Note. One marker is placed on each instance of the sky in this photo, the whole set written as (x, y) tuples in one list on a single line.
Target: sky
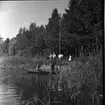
[(17, 14)]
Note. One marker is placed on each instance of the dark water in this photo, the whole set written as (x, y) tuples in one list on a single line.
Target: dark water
[(19, 88)]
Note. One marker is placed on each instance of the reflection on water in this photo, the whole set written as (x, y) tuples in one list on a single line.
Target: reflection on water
[(33, 85), (8, 95), (16, 88)]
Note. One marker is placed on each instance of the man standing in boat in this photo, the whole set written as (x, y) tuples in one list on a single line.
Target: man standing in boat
[(53, 61), (60, 56)]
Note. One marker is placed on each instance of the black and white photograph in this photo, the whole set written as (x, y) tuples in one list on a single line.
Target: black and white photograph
[(51, 52)]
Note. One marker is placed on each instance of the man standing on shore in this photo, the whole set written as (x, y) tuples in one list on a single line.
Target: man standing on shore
[(69, 58)]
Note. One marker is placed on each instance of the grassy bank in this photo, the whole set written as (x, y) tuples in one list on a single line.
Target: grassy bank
[(82, 81), (21, 62)]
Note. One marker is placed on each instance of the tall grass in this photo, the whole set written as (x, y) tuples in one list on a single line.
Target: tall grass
[(82, 81), (25, 62)]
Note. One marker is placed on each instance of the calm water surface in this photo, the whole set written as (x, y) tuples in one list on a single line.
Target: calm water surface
[(16, 87)]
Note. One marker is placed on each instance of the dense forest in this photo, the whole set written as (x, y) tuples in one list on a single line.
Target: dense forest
[(80, 29)]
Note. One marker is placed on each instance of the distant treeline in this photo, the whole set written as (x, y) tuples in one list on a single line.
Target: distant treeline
[(80, 28)]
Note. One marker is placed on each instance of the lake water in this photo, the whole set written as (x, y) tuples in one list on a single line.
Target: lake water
[(18, 88)]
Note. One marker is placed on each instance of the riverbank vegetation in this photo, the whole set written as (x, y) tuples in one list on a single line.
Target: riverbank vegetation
[(22, 62), (83, 84), (78, 83)]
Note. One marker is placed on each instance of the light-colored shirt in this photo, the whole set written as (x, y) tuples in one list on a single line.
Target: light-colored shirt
[(70, 58), (60, 55), (54, 55), (50, 56)]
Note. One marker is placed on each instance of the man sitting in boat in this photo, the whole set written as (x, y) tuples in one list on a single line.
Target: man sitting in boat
[(39, 68)]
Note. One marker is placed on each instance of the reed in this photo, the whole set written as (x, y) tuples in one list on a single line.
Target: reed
[(21, 62), (82, 81)]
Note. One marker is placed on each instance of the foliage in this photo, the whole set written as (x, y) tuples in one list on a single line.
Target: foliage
[(80, 29), (82, 82), (21, 62), (52, 31), (82, 18)]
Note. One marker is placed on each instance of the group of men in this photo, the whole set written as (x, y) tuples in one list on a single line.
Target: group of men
[(53, 56), (53, 59)]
